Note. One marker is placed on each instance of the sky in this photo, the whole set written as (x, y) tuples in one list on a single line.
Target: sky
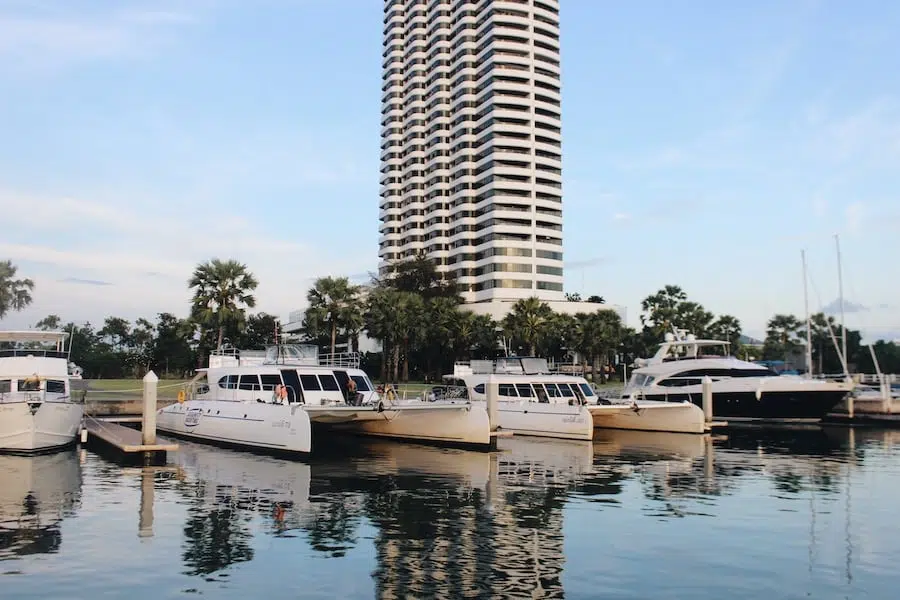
[(704, 145)]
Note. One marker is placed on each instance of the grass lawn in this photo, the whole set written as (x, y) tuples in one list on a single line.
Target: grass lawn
[(119, 388)]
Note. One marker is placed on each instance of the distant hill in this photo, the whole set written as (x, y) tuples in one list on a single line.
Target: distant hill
[(746, 340)]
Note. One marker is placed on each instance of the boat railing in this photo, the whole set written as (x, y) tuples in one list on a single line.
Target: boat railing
[(346, 360), (36, 352)]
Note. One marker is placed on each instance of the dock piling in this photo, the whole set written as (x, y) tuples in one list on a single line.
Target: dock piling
[(707, 399), (491, 392), (148, 420)]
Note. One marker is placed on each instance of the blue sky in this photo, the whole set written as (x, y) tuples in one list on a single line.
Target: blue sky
[(704, 146)]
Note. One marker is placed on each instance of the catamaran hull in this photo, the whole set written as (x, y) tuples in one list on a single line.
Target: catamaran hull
[(272, 427), (27, 428), (461, 424), (545, 419), (682, 417)]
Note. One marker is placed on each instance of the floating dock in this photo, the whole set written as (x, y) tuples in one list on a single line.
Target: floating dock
[(125, 440)]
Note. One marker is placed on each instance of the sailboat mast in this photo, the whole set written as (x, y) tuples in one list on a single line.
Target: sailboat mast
[(837, 243), (806, 309)]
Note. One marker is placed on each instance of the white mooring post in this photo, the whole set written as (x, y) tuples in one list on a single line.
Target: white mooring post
[(491, 392), (148, 420), (707, 399)]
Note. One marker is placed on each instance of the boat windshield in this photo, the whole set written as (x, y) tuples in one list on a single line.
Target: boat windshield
[(292, 354)]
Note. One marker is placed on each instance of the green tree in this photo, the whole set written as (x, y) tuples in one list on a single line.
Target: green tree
[(334, 305), (49, 323), (15, 294), (419, 275), (221, 291), (526, 323), (600, 333), (727, 328), (171, 349), (781, 337)]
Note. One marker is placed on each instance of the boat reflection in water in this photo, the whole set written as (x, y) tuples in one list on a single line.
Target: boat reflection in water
[(36, 494), (453, 522)]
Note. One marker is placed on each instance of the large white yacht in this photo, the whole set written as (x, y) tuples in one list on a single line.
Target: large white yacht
[(741, 390), (533, 400), (275, 401), (37, 409)]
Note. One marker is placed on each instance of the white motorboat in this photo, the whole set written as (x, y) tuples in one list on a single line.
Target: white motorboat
[(37, 409), (741, 390), (275, 402), (531, 400)]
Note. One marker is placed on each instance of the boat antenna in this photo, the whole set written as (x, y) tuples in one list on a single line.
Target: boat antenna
[(808, 324)]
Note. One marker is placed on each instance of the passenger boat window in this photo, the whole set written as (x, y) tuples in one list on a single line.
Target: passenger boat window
[(269, 381), (540, 392), (552, 390), (310, 383), (362, 383), (56, 387), (479, 389), (229, 382), (29, 385), (5, 386), (524, 390), (249, 382), (565, 390), (677, 381), (586, 390), (507, 389), (329, 383)]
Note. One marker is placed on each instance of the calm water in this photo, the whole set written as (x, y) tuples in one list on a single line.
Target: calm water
[(802, 514)]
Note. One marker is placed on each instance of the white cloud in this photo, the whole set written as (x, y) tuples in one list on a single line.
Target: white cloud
[(620, 216), (147, 258)]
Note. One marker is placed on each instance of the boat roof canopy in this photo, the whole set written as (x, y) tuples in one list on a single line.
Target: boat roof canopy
[(34, 335)]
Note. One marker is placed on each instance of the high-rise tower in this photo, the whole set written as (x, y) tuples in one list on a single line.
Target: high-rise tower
[(471, 147)]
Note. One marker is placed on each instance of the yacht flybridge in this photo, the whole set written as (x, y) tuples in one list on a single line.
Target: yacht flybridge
[(533, 400), (275, 401), (741, 390), (37, 410)]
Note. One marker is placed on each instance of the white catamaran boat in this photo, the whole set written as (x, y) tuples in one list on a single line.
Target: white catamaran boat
[(275, 402), (532, 400), (741, 390), (37, 410)]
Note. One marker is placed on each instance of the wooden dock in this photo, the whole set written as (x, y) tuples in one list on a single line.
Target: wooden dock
[(124, 439)]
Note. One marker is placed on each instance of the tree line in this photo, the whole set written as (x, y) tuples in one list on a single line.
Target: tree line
[(417, 315)]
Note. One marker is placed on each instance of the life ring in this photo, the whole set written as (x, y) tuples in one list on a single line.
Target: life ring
[(181, 396)]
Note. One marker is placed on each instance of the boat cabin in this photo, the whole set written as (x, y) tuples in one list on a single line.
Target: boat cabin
[(287, 374), (34, 366), (520, 378)]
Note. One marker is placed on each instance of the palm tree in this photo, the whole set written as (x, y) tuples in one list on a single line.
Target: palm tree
[(526, 322), (600, 333), (15, 294), (781, 331), (335, 303), (221, 291)]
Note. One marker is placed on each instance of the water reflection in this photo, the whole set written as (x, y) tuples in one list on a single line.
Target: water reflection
[(539, 518), (36, 494)]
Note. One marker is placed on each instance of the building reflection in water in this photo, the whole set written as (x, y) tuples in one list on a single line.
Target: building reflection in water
[(452, 522), (36, 494)]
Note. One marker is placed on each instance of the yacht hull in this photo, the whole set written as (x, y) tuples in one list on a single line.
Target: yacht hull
[(795, 406), (649, 415), (545, 419), (38, 427), (272, 427)]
